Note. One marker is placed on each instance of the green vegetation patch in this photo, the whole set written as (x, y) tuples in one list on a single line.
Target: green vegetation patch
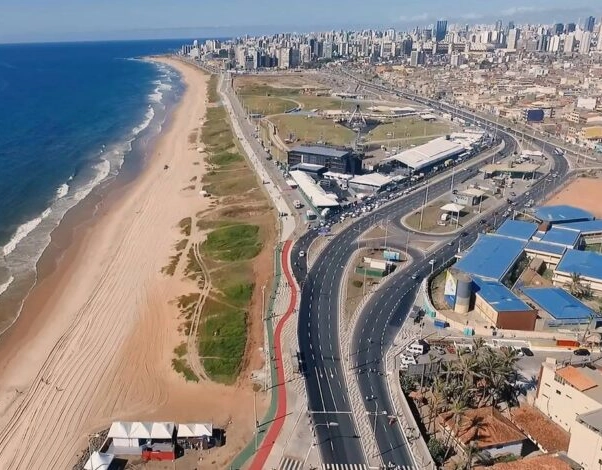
[(267, 105), (222, 340), (267, 90), (238, 294), (225, 158), (170, 269), (237, 242), (182, 367), (408, 128), (212, 95), (230, 183), (185, 226), (313, 129), (182, 244), (181, 350)]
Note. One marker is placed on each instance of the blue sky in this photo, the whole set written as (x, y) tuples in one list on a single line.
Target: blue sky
[(48, 20)]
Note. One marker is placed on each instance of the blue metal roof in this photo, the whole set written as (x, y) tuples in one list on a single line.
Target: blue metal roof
[(320, 150), (562, 214), (517, 229), (545, 248), (561, 236), (587, 227), (584, 263), (491, 256), (558, 303), (499, 297)]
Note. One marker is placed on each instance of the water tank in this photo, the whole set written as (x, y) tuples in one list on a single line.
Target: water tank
[(463, 293)]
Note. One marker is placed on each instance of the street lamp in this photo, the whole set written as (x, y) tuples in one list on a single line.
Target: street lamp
[(331, 424), (432, 263)]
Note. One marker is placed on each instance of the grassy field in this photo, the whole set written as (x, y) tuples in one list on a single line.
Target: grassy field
[(432, 215), (230, 246), (222, 340), (313, 129), (325, 102), (407, 127), (267, 105), (236, 242)]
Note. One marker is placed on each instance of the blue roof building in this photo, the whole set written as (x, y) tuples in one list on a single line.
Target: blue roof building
[(562, 214), (545, 248), (560, 305), (584, 263), (491, 257), (589, 227), (558, 235), (499, 297), (517, 229)]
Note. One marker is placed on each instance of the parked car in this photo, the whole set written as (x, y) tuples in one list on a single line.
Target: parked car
[(526, 351), (581, 352), (439, 350), (301, 254)]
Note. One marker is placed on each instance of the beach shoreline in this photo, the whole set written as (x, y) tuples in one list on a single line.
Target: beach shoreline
[(96, 334)]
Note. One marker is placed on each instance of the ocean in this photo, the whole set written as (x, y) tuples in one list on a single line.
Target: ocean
[(71, 114)]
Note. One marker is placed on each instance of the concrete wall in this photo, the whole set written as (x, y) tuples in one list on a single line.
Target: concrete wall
[(585, 446), (513, 449), (562, 403), (550, 259)]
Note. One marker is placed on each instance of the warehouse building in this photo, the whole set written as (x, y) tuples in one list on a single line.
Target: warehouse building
[(312, 191), (425, 157), (557, 307), (334, 159), (562, 214), (501, 307), (370, 183), (585, 264)]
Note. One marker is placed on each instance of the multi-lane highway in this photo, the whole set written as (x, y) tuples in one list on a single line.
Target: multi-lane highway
[(377, 326), (319, 321)]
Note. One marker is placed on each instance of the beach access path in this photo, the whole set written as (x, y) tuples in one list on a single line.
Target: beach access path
[(96, 336)]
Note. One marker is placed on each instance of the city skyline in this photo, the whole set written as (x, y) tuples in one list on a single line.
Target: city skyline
[(66, 20)]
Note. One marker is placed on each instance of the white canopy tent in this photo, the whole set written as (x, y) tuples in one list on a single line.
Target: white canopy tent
[(120, 433), (162, 430), (195, 430), (140, 430), (98, 461)]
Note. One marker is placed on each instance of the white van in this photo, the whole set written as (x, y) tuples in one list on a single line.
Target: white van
[(416, 348), (407, 360)]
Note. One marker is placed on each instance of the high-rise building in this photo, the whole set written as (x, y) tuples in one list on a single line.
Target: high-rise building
[(569, 43), (513, 37), (585, 43), (554, 44), (569, 28), (588, 24), (440, 30), (498, 25), (558, 28), (416, 58)]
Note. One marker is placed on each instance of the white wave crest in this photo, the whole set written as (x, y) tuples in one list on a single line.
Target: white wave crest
[(22, 231), (62, 190), (148, 117), (156, 96), (4, 286), (103, 169)]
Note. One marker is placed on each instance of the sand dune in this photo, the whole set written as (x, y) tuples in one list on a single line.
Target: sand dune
[(100, 340)]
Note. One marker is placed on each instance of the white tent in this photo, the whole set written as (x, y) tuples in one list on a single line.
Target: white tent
[(120, 433), (195, 430), (98, 461), (162, 430), (140, 430)]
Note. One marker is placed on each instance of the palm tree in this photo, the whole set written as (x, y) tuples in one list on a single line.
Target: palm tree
[(457, 409), (576, 286)]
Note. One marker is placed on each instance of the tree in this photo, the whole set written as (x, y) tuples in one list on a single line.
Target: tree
[(437, 450), (577, 288), (457, 409)]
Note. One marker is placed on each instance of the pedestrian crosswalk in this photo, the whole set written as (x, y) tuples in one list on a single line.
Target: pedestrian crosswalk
[(358, 466), (288, 463)]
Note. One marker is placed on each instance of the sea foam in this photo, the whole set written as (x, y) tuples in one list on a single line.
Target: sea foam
[(23, 230), (5, 286), (62, 190)]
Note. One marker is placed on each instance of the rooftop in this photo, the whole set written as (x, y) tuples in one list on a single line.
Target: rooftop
[(579, 377), (587, 227), (320, 150), (559, 303), (584, 263), (545, 432), (428, 154), (371, 179), (314, 192), (560, 236), (499, 297), (562, 214), (491, 256), (452, 207), (542, 247), (493, 429), (539, 462), (517, 229), (593, 419), (505, 168)]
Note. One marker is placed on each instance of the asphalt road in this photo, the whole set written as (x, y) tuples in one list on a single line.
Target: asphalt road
[(318, 325)]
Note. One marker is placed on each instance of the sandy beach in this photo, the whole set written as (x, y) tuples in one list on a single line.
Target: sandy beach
[(95, 339)]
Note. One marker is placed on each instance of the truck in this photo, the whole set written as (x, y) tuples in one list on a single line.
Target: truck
[(310, 215), (297, 204), (390, 255)]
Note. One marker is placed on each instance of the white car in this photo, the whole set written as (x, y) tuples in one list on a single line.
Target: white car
[(406, 359), (301, 254)]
